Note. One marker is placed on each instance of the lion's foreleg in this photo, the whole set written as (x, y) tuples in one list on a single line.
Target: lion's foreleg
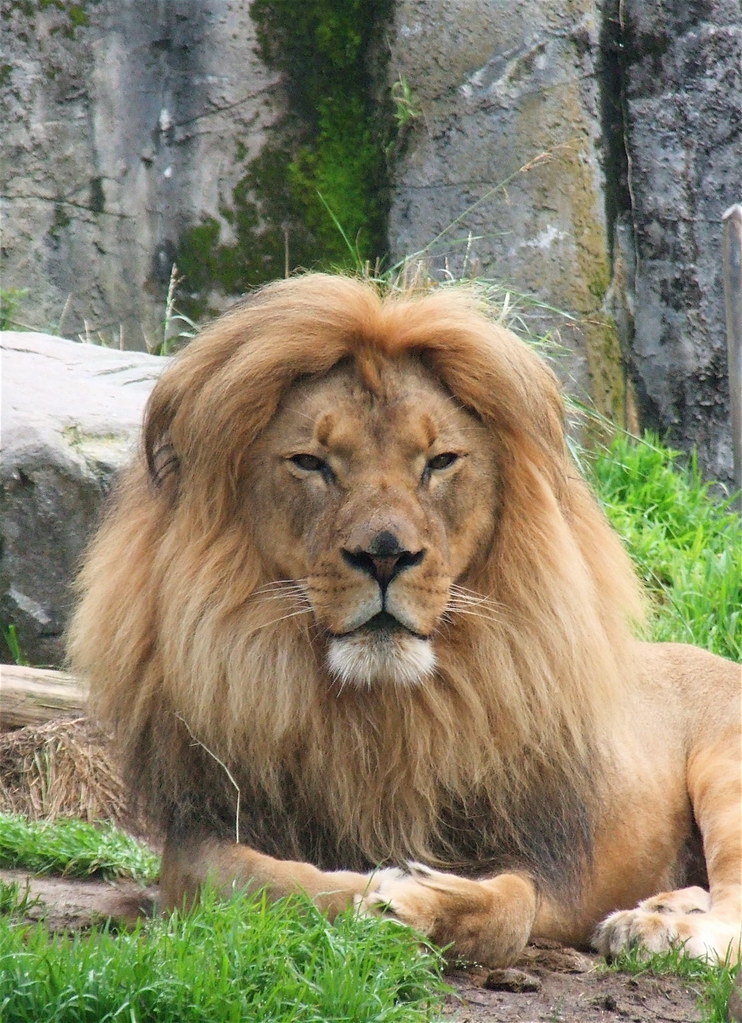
[(486, 921), (188, 865), (715, 789), (703, 924)]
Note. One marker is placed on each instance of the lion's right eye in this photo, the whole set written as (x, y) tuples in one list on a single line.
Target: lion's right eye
[(310, 463)]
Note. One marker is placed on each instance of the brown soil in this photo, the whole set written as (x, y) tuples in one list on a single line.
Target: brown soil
[(549, 985), (565, 986), (64, 904)]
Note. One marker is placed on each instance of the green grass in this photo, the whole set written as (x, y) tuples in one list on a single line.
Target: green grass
[(73, 848), (9, 636), (243, 960), (11, 299), (14, 900), (717, 990), (685, 542)]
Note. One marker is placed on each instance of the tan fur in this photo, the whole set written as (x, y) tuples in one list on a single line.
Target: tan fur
[(498, 721)]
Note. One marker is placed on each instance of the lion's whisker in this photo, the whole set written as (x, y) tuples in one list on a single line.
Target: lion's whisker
[(467, 602), (461, 600), (264, 599), (281, 584), (294, 595), (459, 593), (468, 599), (464, 591), (489, 614), (483, 611), (282, 618), (499, 620)]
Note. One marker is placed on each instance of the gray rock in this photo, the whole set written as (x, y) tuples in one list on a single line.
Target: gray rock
[(70, 419), (639, 108)]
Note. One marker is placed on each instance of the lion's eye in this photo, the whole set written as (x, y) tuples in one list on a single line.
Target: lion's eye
[(310, 463), (442, 461)]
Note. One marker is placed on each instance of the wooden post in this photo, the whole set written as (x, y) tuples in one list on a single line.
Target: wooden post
[(732, 264)]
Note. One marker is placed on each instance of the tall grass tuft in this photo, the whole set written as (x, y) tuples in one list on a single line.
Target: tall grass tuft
[(246, 959), (685, 541)]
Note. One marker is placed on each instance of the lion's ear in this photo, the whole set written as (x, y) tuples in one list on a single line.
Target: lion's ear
[(163, 462)]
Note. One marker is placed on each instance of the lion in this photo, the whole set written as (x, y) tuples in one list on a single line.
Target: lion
[(361, 630)]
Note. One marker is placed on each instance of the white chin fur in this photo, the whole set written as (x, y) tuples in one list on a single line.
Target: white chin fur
[(363, 660)]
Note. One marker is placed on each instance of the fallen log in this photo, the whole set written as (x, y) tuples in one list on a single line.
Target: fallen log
[(31, 696)]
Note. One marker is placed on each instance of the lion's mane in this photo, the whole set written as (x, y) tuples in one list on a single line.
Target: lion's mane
[(495, 759)]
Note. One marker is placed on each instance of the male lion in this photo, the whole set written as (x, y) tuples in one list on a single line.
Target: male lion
[(360, 629)]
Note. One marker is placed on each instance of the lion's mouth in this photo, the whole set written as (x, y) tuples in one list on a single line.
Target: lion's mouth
[(382, 650), (380, 625)]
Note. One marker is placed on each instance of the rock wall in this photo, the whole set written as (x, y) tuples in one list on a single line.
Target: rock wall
[(638, 109), (681, 78), (124, 125), (581, 151), (502, 172)]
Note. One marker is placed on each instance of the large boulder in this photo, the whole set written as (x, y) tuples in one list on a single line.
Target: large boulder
[(70, 419)]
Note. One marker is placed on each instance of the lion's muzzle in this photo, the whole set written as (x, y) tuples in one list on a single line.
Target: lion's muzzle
[(384, 642)]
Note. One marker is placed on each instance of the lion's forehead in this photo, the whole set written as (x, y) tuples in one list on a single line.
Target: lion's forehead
[(404, 407)]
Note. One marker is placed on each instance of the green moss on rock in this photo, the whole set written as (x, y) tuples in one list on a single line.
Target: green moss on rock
[(316, 196), (75, 14)]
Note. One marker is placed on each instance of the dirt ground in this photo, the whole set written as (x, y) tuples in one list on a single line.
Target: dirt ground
[(549, 985), (565, 986)]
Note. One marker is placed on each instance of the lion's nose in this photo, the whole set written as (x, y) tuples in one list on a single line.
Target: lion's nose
[(384, 558)]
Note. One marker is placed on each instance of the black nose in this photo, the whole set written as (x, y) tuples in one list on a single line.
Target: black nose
[(384, 559)]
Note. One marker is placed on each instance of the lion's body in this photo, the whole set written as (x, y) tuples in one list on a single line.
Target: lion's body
[(358, 591)]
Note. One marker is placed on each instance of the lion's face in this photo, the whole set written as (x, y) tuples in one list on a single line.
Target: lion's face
[(372, 494)]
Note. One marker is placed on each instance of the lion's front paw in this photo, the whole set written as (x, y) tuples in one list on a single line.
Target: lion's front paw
[(672, 920), (486, 921), (408, 897)]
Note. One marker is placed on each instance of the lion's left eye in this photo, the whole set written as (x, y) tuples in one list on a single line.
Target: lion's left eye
[(312, 463), (442, 461)]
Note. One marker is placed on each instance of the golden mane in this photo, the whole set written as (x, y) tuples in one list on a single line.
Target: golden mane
[(194, 676)]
